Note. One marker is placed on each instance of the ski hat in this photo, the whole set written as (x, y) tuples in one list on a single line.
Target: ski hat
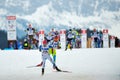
[(44, 42)]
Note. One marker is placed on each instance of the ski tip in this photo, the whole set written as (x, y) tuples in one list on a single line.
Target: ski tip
[(30, 66), (64, 71), (67, 71)]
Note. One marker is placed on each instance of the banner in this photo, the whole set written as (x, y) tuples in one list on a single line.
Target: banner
[(41, 36), (11, 27), (112, 42), (84, 39), (105, 38), (63, 38)]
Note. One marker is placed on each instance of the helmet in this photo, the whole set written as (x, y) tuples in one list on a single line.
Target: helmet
[(44, 42)]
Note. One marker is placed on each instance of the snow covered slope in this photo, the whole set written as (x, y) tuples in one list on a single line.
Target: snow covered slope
[(85, 64)]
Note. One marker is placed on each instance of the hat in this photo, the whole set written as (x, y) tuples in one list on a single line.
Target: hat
[(44, 42)]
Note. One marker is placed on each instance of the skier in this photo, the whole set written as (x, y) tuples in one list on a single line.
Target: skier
[(45, 55), (52, 33), (30, 31), (95, 35), (75, 33), (70, 37), (51, 51), (100, 40), (56, 41), (48, 38)]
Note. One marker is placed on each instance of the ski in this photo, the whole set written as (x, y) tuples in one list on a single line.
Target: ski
[(38, 65), (32, 66), (54, 71), (64, 71), (67, 71)]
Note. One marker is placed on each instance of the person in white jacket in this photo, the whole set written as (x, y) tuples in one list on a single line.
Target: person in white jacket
[(45, 55)]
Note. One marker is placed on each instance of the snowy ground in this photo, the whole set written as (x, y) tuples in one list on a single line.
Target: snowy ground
[(85, 64)]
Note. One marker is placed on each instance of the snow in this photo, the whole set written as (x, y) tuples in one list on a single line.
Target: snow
[(43, 16), (2, 11), (85, 64), (71, 13)]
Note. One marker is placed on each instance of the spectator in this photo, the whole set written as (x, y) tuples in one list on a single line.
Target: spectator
[(78, 41), (11, 45), (19, 45)]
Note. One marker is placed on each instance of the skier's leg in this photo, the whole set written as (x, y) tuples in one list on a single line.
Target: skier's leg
[(54, 65), (43, 63), (43, 67), (66, 45), (71, 45), (54, 58), (50, 59), (42, 71)]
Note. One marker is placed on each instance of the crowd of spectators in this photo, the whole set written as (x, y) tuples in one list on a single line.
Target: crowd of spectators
[(73, 37)]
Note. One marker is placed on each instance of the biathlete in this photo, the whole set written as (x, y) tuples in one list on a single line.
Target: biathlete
[(45, 55), (51, 51), (69, 37)]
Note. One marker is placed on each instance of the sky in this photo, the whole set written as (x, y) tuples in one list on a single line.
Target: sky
[(45, 14)]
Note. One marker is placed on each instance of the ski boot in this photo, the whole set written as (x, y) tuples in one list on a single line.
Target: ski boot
[(65, 48), (57, 69), (42, 71)]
